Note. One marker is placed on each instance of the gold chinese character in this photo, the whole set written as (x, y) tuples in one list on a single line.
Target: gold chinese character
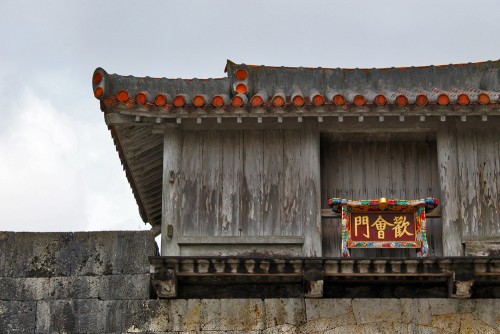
[(380, 224), (361, 220), (400, 225)]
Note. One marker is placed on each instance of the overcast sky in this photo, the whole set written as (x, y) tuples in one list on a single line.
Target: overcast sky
[(59, 170)]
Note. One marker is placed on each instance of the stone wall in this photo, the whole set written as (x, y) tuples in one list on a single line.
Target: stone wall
[(98, 282)]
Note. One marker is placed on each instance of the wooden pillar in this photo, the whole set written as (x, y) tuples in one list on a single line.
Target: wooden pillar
[(447, 151), (170, 224), (310, 188)]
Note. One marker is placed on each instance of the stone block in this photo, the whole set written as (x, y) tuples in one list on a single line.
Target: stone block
[(123, 316), (350, 329), (232, 314), (6, 253), (327, 308), (320, 325), (424, 329), (27, 288), (68, 316), (488, 310), (124, 287), (112, 252), (447, 322), (472, 325), (376, 310), (159, 314), (42, 254), (17, 316), (112, 316), (74, 287), (386, 328), (416, 311), (282, 329), (441, 306), (281, 311), (185, 314)]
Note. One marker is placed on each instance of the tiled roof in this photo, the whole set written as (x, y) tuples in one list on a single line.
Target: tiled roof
[(256, 87), (278, 92)]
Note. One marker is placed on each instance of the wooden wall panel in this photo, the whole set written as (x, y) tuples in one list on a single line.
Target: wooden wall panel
[(189, 182), (291, 221), (251, 200), (310, 188), (479, 163), (229, 222), (369, 169), (272, 182), (209, 193), (250, 183)]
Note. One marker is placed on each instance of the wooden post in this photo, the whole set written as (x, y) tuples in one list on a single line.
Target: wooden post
[(170, 224), (447, 151), (311, 189)]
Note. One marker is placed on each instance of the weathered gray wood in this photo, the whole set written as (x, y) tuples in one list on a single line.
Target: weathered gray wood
[(310, 185), (359, 170), (190, 180), (481, 248), (447, 154), (488, 158), (251, 206), (272, 181), (479, 159), (230, 184), (170, 194), (384, 169), (371, 176), (208, 203), (373, 167), (331, 237), (468, 183), (291, 221), (434, 221), (398, 181), (235, 240)]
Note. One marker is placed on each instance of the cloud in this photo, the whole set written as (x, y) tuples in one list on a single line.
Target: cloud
[(51, 173)]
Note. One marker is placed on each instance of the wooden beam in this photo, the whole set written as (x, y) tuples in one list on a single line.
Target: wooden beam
[(170, 225), (447, 150)]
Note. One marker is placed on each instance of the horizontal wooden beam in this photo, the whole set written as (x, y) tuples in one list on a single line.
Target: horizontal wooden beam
[(230, 240)]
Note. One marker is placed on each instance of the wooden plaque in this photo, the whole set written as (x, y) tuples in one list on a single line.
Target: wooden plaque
[(384, 223)]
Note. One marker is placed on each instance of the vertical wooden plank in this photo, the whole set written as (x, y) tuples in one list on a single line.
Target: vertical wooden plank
[(371, 179), (435, 224), (208, 213), (488, 199), (468, 181), (328, 169), (398, 183), (448, 159), (496, 152), (331, 183), (360, 173), (410, 167), (424, 184), (462, 184), (172, 149), (189, 180), (251, 208), (332, 237), (272, 180), (230, 184), (384, 169), (342, 158), (291, 219), (310, 185)]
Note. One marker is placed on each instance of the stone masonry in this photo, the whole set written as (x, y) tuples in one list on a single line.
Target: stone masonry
[(98, 282)]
